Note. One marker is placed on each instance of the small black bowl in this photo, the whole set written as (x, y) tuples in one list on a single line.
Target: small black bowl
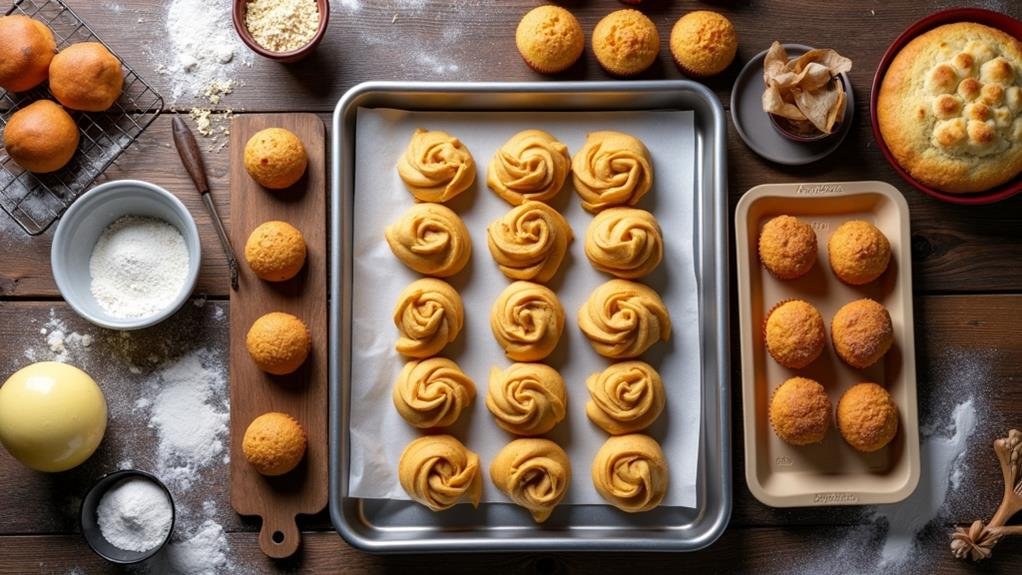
[(90, 520)]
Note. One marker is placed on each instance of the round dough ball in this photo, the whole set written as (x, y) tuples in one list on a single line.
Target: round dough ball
[(41, 137), (275, 251), (86, 77), (862, 332), (26, 49), (867, 417), (438, 471), (275, 158), (795, 334), (859, 252), (787, 247), (630, 472), (279, 343), (800, 411), (274, 443)]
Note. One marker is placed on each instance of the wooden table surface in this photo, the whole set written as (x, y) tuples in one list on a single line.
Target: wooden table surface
[(966, 272)]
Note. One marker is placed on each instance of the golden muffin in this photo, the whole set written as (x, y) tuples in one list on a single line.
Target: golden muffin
[(550, 39), (611, 169), (428, 315), (278, 343), (432, 392), (41, 137), (787, 247), (626, 397), (794, 333), (275, 251), (436, 166), (859, 252), (526, 398), (86, 77), (703, 43), (26, 49), (950, 107), (438, 471), (862, 332), (624, 242), (527, 320), (274, 443), (532, 165), (275, 158), (630, 472), (625, 42), (867, 417), (430, 239), (529, 242), (622, 319), (800, 411), (535, 473)]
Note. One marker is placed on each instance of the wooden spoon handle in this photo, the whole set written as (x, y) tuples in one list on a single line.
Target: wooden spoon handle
[(191, 157)]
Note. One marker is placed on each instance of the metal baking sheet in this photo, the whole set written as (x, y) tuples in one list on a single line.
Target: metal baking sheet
[(402, 526)]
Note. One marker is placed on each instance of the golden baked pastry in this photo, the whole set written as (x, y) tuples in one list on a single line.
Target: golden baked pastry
[(703, 43), (630, 472), (787, 247), (626, 397), (430, 239), (611, 169), (800, 411), (87, 77), (432, 392), (625, 242), (949, 107), (278, 343), (26, 49), (527, 320), (532, 165), (622, 319), (436, 166), (862, 332), (274, 443), (275, 251), (867, 417), (535, 473), (859, 252), (529, 242), (550, 39), (794, 333), (526, 398), (438, 471), (41, 137), (275, 158), (428, 315), (625, 42)]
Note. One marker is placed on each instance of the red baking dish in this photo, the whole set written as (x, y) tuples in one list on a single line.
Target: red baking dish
[(980, 16)]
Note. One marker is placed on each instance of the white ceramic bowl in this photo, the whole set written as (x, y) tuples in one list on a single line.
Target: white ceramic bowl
[(84, 222)]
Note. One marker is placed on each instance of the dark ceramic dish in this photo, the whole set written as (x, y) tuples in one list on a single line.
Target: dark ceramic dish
[(239, 12), (90, 524)]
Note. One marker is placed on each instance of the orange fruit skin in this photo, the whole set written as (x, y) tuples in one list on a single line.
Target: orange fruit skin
[(41, 137), (86, 77), (26, 49)]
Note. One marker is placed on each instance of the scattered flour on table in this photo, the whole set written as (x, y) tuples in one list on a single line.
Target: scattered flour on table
[(204, 47), (200, 551)]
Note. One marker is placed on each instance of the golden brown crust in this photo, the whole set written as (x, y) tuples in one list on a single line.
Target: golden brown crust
[(794, 333), (625, 42), (867, 417), (626, 397), (787, 247), (526, 398), (275, 158), (41, 137), (27, 47), (436, 166), (535, 473), (862, 332), (703, 43), (800, 411), (87, 77), (859, 253), (428, 315), (531, 165), (527, 320), (622, 319), (611, 169), (630, 472), (949, 107), (274, 443), (438, 471), (529, 242), (432, 393), (278, 343), (430, 239), (549, 38), (275, 251), (624, 242)]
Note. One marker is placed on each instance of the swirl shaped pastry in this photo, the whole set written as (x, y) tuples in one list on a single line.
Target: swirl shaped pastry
[(611, 169), (436, 166), (430, 239), (526, 398), (532, 165), (432, 392), (527, 320), (625, 398), (438, 471), (529, 242), (630, 472), (428, 315), (535, 473), (625, 242), (622, 319)]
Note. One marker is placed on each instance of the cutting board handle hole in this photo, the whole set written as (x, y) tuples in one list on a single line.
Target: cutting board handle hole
[(278, 537)]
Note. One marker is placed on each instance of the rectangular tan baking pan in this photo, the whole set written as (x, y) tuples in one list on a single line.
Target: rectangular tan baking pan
[(831, 472)]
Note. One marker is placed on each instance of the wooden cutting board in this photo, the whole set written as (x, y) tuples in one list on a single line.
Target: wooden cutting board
[(303, 394)]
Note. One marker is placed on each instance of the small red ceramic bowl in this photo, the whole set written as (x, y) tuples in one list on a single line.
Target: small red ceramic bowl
[(979, 16), (239, 12)]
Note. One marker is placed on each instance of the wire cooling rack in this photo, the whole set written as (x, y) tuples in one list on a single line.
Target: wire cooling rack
[(35, 201)]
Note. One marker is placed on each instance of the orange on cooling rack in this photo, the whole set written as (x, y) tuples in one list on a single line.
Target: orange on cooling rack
[(26, 48), (41, 137)]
